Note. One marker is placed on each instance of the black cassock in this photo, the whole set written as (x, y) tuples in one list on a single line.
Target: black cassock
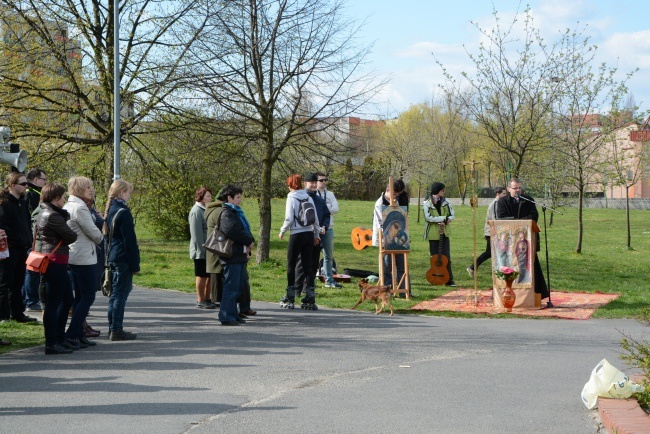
[(510, 208)]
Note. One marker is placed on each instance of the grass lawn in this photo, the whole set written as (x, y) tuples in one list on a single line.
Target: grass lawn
[(605, 265)]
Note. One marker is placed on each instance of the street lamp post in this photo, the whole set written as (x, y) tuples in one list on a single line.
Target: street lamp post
[(116, 89)]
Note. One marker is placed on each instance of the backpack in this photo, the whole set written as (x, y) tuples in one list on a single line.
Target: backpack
[(306, 213)]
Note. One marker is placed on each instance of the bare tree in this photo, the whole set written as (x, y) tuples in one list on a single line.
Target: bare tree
[(587, 101), (507, 94), (627, 163), (56, 75), (259, 64)]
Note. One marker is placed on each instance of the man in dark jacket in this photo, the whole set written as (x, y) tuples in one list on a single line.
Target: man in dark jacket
[(324, 216), (15, 221), (36, 179), (512, 206)]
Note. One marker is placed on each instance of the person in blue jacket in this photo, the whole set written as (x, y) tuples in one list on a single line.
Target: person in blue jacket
[(123, 256), (235, 226)]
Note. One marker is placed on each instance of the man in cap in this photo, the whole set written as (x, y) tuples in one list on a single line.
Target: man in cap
[(327, 239), (323, 214)]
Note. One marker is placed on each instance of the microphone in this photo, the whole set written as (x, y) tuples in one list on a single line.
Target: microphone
[(517, 196)]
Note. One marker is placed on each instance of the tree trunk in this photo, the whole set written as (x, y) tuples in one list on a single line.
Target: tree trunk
[(264, 235), (627, 217), (581, 189)]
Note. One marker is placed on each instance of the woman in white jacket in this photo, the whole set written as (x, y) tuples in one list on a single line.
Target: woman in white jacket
[(83, 258)]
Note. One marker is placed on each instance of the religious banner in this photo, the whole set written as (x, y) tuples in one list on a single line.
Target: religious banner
[(395, 233), (513, 244)]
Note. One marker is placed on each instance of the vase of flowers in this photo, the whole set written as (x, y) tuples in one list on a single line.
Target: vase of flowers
[(508, 275)]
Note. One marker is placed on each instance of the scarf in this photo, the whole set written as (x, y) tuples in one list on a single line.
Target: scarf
[(240, 214)]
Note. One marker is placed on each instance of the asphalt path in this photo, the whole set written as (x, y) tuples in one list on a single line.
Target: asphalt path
[(329, 371)]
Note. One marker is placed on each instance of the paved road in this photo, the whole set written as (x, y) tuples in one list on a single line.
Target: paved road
[(298, 371)]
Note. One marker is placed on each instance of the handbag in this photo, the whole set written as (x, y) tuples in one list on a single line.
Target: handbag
[(37, 261), (107, 275), (218, 243)]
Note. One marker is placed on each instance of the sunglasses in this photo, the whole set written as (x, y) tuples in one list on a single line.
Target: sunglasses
[(24, 184), (322, 180)]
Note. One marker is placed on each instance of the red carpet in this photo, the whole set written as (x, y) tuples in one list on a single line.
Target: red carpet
[(568, 305)]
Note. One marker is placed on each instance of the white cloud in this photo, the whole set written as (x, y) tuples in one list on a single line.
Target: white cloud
[(426, 49), (630, 48)]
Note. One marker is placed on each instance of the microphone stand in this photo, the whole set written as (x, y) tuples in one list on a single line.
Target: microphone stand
[(548, 274)]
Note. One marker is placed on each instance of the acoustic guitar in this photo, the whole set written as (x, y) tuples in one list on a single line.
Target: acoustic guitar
[(438, 273), (361, 238)]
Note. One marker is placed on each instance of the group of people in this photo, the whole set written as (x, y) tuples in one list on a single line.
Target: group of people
[(439, 214), (63, 224), (309, 217), (510, 204), (224, 280), (35, 214)]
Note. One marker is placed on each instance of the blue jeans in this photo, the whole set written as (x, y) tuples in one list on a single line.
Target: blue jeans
[(122, 285), (233, 283), (84, 284), (327, 241), (30, 289), (58, 299)]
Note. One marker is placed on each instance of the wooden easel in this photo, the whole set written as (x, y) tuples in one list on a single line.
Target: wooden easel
[(393, 253)]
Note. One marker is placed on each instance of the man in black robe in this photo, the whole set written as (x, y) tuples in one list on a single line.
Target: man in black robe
[(515, 206)]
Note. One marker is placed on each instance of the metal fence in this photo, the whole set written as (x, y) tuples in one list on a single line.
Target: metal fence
[(567, 202)]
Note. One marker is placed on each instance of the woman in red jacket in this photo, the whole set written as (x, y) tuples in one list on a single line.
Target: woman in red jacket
[(54, 236)]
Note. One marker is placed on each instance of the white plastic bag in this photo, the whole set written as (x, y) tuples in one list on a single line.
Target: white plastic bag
[(608, 382)]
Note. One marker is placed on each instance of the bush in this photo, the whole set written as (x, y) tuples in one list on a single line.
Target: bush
[(637, 355)]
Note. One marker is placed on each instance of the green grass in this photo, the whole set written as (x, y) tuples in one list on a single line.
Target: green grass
[(605, 265), (21, 335)]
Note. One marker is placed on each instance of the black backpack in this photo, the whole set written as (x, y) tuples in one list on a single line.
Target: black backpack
[(306, 213)]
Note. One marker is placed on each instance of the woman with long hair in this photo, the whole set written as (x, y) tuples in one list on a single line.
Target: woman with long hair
[(198, 235), (123, 256), (54, 236), (98, 219), (83, 258)]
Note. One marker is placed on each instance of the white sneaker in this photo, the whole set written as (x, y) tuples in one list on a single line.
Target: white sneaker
[(333, 285), (470, 272)]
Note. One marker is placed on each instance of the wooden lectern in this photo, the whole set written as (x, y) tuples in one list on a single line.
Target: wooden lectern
[(514, 245)]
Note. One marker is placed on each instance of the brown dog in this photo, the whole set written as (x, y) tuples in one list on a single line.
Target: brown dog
[(376, 292)]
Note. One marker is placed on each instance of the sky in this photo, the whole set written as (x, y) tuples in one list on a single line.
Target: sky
[(409, 33)]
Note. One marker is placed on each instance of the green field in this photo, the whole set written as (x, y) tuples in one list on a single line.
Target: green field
[(605, 265)]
